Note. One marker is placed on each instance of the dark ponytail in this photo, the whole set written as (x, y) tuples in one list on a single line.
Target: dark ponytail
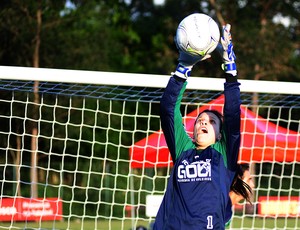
[(239, 186)]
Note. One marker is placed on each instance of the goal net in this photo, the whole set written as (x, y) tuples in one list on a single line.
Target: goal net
[(84, 149)]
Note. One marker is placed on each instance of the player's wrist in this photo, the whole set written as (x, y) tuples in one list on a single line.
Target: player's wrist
[(230, 78), (230, 68), (183, 71)]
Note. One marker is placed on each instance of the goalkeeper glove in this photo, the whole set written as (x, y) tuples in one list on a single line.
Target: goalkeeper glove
[(227, 52), (186, 62)]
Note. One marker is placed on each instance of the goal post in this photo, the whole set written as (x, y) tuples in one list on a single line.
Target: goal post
[(139, 80), (100, 159)]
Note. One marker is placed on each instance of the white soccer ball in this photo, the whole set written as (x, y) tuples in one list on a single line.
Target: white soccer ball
[(197, 34)]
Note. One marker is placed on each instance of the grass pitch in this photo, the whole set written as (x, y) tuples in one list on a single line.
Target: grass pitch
[(237, 223)]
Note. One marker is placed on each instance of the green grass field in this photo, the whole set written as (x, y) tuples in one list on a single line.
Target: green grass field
[(265, 223), (238, 223)]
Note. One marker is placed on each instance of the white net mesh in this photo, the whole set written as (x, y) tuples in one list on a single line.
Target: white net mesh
[(90, 156)]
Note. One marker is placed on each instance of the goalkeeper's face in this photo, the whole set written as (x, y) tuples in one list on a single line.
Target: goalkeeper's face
[(207, 129)]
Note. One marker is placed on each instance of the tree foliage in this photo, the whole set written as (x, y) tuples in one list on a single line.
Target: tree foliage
[(137, 36)]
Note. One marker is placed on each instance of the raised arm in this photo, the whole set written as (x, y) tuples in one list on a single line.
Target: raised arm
[(171, 119), (232, 112)]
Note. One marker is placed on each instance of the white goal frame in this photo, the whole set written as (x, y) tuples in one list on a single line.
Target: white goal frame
[(140, 80)]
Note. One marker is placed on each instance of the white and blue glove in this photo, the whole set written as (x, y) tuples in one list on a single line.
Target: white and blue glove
[(186, 62), (226, 51)]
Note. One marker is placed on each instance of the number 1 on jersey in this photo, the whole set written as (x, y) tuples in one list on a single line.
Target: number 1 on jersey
[(209, 222)]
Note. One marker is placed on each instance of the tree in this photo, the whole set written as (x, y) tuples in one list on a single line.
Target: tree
[(15, 29), (264, 47)]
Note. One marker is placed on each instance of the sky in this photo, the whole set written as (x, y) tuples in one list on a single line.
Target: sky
[(156, 2), (159, 2)]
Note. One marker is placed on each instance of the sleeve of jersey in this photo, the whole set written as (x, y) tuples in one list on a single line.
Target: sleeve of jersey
[(171, 119), (232, 121)]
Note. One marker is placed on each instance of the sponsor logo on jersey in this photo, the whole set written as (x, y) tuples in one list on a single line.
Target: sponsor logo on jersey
[(196, 171)]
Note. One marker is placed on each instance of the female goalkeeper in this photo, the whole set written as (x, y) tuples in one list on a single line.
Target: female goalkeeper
[(198, 188)]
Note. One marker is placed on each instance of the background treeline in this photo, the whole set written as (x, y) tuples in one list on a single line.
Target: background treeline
[(137, 36)]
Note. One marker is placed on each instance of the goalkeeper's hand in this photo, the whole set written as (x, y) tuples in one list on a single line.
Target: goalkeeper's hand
[(227, 53), (187, 61)]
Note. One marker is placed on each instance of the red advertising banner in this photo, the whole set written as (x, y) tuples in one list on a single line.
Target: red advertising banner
[(29, 209), (282, 206)]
